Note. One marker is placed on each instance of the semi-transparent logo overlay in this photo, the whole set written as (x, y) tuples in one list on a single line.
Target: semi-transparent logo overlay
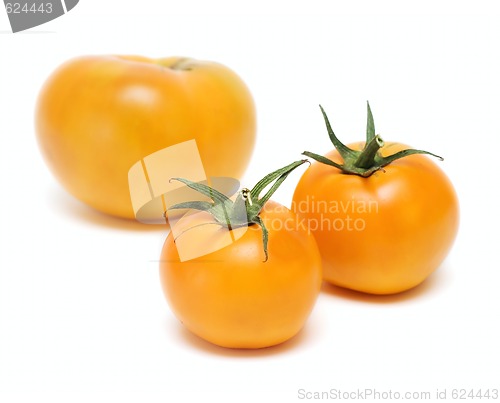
[(153, 190), (27, 14)]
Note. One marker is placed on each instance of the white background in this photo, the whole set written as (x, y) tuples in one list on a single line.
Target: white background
[(82, 315)]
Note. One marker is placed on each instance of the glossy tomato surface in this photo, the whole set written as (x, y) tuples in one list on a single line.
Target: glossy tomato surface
[(385, 233), (96, 116), (232, 297)]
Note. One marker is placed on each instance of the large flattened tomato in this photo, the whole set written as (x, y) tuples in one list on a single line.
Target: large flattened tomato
[(96, 116), (385, 232)]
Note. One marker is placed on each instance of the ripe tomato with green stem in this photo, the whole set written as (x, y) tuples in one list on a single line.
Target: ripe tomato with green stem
[(258, 289), (384, 215)]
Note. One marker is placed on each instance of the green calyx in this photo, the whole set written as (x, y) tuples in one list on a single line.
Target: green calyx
[(364, 162), (245, 209)]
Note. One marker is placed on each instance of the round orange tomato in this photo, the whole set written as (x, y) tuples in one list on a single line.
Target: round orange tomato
[(384, 233), (98, 115), (233, 296)]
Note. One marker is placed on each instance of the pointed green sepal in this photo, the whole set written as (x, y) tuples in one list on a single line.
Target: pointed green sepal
[(322, 159), (246, 207), (370, 124), (344, 151), (265, 235), (383, 161), (367, 161), (206, 190), (195, 205)]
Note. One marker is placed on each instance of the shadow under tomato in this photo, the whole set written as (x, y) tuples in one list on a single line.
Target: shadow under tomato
[(436, 281), (200, 344), (65, 204)]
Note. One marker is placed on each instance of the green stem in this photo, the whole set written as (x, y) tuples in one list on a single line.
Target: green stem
[(183, 63), (227, 212), (366, 159)]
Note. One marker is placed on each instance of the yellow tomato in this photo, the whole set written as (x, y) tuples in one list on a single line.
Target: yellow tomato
[(385, 233), (232, 297), (384, 215), (98, 115)]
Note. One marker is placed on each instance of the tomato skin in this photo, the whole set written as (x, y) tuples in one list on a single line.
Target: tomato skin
[(383, 234), (232, 298), (98, 115)]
